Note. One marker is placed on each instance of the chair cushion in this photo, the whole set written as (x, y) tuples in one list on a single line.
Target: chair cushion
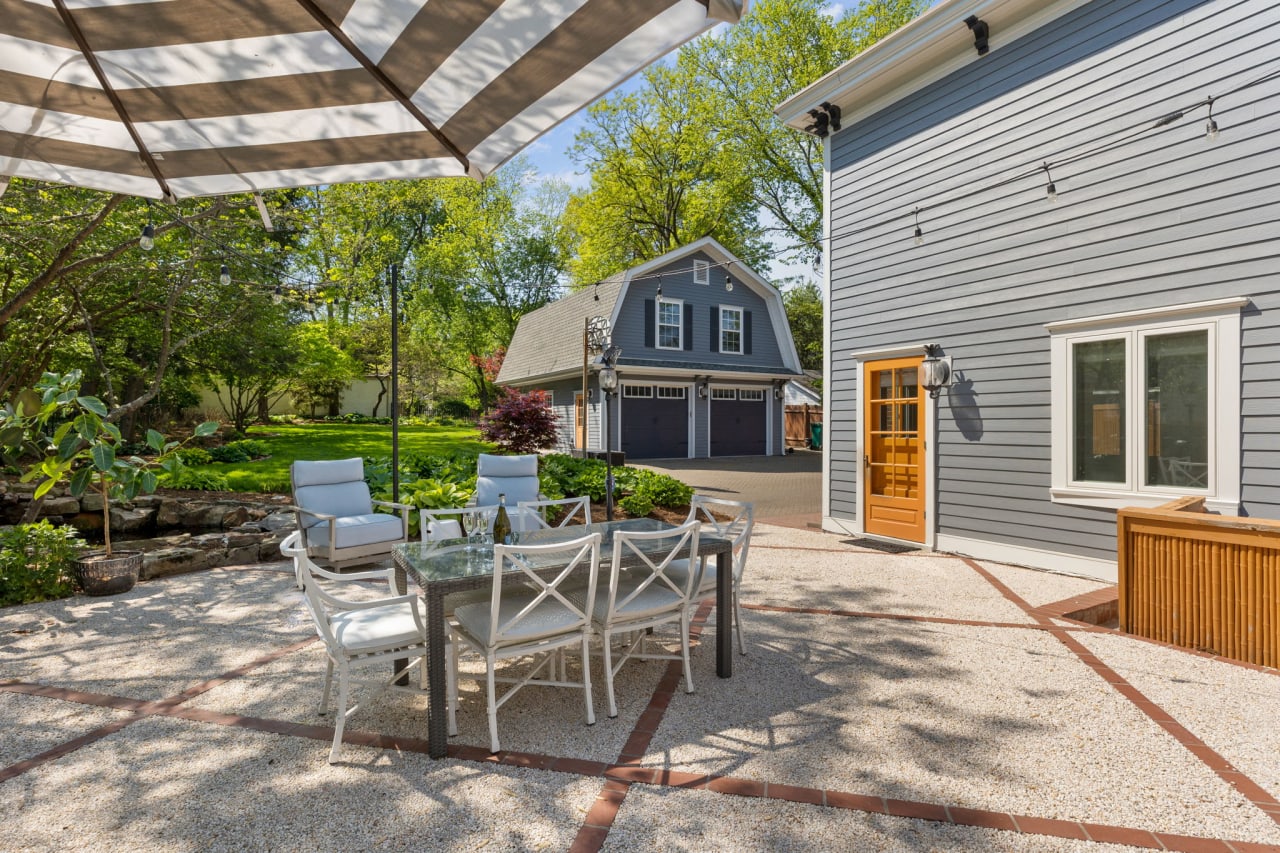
[(488, 465), (515, 488), (326, 472), (548, 618), (357, 530), (438, 530), (656, 598), (678, 571), (341, 499), (389, 626)]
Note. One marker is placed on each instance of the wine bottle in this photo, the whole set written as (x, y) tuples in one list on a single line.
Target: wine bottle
[(502, 523)]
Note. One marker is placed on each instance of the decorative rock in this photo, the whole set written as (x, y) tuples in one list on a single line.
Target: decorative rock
[(126, 520), (173, 561), (60, 506), (169, 513), (91, 502)]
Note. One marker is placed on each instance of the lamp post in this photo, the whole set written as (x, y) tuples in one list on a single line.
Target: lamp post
[(609, 385)]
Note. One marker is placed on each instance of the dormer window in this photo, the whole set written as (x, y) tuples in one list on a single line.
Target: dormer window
[(701, 272)]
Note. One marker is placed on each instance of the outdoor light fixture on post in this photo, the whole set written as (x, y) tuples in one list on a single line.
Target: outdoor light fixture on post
[(609, 385)]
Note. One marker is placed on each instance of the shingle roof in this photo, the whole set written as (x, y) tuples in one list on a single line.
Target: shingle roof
[(549, 340)]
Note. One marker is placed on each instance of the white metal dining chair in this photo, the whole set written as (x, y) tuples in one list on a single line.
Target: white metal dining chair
[(731, 520), (358, 632), (645, 596), (572, 511), (529, 615)]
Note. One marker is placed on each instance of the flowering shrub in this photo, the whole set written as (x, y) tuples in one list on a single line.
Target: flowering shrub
[(521, 422)]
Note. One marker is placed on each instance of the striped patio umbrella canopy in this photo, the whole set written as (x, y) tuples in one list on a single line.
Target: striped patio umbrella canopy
[(178, 98)]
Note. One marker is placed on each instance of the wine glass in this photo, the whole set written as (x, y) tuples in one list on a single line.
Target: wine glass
[(475, 529)]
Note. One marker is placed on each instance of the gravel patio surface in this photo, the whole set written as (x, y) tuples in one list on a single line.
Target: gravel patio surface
[(886, 702)]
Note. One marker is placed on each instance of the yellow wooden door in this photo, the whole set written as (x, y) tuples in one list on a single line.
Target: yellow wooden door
[(580, 420), (893, 454)]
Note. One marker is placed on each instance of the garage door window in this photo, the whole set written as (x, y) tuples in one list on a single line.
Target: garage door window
[(670, 392), (724, 393), (750, 394), (637, 390)]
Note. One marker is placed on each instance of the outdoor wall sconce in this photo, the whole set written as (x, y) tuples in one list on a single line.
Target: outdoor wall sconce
[(702, 389), (935, 370), (779, 391), (980, 33)]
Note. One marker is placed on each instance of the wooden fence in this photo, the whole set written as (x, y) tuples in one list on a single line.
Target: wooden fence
[(1201, 581), (797, 420)]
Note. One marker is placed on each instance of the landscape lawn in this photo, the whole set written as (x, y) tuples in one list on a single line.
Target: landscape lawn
[(288, 442)]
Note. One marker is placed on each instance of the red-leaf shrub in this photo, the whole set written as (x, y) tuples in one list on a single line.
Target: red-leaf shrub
[(521, 423)]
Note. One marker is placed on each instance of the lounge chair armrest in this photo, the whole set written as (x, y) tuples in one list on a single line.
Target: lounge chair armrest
[(395, 505), (318, 515)]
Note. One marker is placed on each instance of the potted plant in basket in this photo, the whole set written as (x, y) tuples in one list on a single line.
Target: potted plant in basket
[(79, 445)]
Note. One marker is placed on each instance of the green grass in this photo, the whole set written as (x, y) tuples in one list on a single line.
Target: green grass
[(335, 441)]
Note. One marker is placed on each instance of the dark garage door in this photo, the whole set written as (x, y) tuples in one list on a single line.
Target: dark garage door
[(653, 426), (737, 422)]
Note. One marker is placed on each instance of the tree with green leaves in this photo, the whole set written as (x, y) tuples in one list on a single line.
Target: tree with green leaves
[(322, 370), (803, 304), (660, 179)]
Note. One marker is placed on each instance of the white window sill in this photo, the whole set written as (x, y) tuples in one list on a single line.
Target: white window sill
[(1119, 500)]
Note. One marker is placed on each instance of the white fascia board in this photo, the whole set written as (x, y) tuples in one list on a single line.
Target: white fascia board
[(919, 53), (625, 370)]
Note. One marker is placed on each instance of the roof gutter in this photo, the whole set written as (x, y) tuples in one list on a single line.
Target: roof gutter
[(926, 50)]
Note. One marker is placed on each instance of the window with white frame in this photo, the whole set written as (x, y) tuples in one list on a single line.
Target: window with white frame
[(637, 390), (724, 393), (701, 272), (670, 324), (730, 329), (754, 394), (1146, 406), (671, 392)]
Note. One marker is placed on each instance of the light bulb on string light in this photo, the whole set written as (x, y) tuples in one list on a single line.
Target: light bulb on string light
[(277, 295), (1051, 191), (224, 275), (728, 283), (1211, 126), (147, 241), (919, 235)]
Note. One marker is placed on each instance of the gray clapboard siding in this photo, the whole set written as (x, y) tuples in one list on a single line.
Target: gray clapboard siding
[(1164, 218)]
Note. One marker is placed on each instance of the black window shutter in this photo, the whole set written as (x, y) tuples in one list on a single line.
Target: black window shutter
[(688, 326), (650, 318), (746, 332), (715, 328)]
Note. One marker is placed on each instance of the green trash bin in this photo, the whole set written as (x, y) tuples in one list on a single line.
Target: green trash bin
[(815, 436)]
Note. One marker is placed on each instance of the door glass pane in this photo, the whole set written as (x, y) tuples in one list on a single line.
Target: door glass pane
[(894, 468), (1098, 416), (1177, 392)]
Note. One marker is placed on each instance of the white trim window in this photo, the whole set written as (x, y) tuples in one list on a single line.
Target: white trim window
[(1146, 406), (724, 393), (731, 329), (670, 323), (755, 395), (701, 272), (671, 392), (637, 390)]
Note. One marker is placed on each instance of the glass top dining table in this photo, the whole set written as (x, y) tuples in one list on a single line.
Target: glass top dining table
[(454, 565)]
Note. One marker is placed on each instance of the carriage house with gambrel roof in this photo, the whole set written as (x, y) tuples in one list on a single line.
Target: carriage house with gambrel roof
[(706, 353)]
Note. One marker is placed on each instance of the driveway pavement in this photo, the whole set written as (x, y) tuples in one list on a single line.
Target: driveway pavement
[(912, 702), (786, 490)]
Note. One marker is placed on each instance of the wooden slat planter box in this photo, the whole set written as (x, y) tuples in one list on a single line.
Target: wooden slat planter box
[(1201, 581)]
